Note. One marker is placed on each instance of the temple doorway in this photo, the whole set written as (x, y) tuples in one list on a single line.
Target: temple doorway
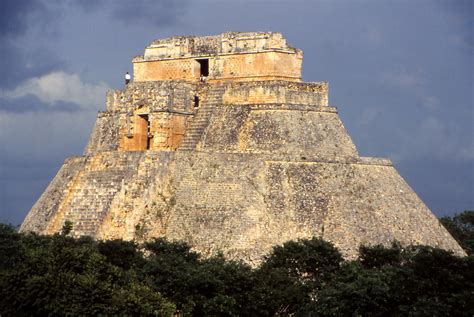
[(203, 67), (142, 132)]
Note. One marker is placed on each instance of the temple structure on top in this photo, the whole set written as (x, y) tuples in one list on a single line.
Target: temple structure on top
[(228, 56), (219, 143)]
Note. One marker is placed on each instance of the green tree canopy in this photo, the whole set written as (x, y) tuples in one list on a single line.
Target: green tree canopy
[(61, 275), (461, 227)]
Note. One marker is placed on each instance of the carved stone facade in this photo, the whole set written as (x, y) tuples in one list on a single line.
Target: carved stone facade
[(235, 154), (228, 56)]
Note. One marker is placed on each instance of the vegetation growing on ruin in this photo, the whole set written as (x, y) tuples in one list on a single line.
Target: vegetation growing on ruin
[(60, 275), (461, 227)]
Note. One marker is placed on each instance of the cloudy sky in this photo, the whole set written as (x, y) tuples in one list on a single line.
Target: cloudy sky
[(400, 73)]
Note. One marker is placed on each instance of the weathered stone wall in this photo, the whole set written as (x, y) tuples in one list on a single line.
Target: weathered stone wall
[(231, 166), (145, 130), (243, 204), (156, 115), (173, 69), (105, 135), (157, 96), (264, 174), (231, 56), (236, 67), (261, 92), (300, 131), (254, 66), (167, 106), (226, 43), (87, 194), (353, 204), (143, 206)]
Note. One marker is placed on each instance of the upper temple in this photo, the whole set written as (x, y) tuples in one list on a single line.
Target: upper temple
[(228, 56)]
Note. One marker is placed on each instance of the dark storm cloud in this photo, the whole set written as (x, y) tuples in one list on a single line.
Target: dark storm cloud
[(87, 5), (19, 177), (447, 187), (17, 17), (17, 62), (155, 12), (30, 103), (461, 8), (159, 13), (17, 65), (462, 17), (14, 15)]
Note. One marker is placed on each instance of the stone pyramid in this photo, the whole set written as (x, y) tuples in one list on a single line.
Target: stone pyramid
[(219, 143)]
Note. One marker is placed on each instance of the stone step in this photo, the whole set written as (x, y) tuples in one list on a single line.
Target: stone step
[(194, 131), (198, 125), (194, 136), (89, 205), (201, 118)]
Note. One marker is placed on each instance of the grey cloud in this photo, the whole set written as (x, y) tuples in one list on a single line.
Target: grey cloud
[(413, 81), (158, 13), (434, 139), (61, 87), (446, 187), (32, 147), (14, 16), (30, 103), (154, 12), (17, 65), (462, 12), (16, 61), (22, 184), (88, 5)]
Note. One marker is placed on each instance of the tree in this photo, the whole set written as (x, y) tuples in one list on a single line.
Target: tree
[(171, 268), (421, 280), (378, 256), (292, 275), (221, 288), (67, 228), (199, 287), (10, 247), (437, 282), (355, 291), (59, 275), (124, 254), (461, 227), (308, 260)]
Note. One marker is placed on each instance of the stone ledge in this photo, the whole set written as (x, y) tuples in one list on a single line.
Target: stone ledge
[(321, 86), (289, 107), (144, 59), (356, 161)]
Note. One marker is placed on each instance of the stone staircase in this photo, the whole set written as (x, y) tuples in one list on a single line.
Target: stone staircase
[(91, 199), (201, 119)]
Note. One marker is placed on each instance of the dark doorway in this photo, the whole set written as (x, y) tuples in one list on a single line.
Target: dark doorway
[(204, 67), (196, 102), (143, 131)]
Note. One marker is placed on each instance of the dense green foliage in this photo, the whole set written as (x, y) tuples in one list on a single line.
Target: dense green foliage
[(59, 275), (461, 227)]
